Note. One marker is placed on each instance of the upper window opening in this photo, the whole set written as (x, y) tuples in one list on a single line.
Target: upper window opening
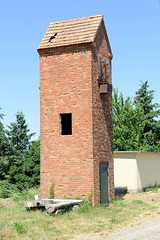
[(66, 123), (52, 37)]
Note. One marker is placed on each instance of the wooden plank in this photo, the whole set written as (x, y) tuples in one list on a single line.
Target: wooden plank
[(51, 205), (37, 203), (32, 204), (51, 208)]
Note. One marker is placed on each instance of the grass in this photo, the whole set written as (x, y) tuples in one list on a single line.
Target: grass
[(20, 228), (18, 223), (152, 189)]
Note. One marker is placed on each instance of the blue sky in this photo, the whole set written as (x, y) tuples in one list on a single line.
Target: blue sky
[(134, 32)]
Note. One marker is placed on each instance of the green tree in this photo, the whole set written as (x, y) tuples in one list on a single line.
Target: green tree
[(1, 124), (145, 97), (128, 124), (27, 174), (19, 137), (32, 164), (18, 133), (5, 151), (19, 156), (2, 136)]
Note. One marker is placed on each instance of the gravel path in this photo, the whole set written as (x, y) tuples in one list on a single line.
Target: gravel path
[(149, 231)]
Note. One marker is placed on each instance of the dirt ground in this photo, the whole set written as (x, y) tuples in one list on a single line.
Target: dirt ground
[(145, 227), (152, 198)]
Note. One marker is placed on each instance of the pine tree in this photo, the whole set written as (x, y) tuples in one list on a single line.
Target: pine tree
[(19, 157), (145, 97), (18, 133), (19, 137), (32, 164), (5, 151), (2, 136)]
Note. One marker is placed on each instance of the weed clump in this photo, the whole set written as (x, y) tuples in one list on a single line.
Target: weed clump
[(84, 207), (7, 189), (152, 189), (51, 192), (20, 228)]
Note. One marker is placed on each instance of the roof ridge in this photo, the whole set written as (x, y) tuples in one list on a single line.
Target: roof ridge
[(77, 19)]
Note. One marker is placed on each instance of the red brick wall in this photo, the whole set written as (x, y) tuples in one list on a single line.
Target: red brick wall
[(68, 84), (102, 117), (66, 87)]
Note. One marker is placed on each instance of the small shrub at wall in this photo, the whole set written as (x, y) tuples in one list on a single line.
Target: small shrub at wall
[(152, 189), (90, 197), (51, 192)]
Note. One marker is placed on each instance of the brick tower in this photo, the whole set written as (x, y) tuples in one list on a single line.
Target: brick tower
[(76, 110)]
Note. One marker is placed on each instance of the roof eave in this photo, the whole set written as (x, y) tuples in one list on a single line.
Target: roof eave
[(62, 48)]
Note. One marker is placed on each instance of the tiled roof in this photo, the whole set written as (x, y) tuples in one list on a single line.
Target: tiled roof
[(77, 31)]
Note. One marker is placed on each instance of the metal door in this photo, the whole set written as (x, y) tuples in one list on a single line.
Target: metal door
[(103, 168)]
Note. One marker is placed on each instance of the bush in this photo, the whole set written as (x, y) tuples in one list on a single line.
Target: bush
[(51, 191), (7, 189)]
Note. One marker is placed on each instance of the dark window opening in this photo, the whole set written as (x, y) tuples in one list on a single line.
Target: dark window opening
[(52, 37), (66, 123)]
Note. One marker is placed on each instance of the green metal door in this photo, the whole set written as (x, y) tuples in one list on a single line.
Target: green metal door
[(103, 183)]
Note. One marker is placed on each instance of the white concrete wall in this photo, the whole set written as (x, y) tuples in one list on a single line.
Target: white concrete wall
[(148, 170), (134, 171), (125, 171)]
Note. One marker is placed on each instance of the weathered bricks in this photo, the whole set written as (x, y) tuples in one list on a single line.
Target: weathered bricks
[(68, 84)]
